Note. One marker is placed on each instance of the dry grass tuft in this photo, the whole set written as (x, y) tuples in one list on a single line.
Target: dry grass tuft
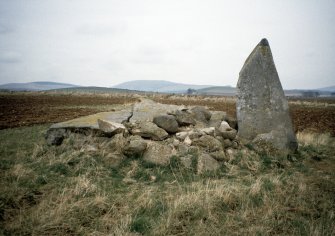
[(315, 139)]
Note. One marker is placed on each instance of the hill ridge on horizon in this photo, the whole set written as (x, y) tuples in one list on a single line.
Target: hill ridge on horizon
[(163, 86)]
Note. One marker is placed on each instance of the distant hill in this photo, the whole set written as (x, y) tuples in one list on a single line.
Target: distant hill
[(35, 86), (161, 86), (218, 90), (328, 89), (92, 89)]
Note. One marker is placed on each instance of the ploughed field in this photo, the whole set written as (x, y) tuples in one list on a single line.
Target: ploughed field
[(25, 109)]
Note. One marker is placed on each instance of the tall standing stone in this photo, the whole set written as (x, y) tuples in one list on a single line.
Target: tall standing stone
[(262, 109)]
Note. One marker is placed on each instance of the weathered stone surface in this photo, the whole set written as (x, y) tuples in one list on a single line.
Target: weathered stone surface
[(265, 142), (261, 104), (231, 153), (91, 121), (135, 146), (148, 129), (229, 134), (147, 109), (186, 161), (207, 163), (224, 126), (158, 154), (208, 143), (166, 122), (227, 143), (201, 114), (210, 131), (55, 136), (181, 135), (219, 156), (117, 143), (111, 128), (188, 141), (184, 118), (193, 134), (216, 118)]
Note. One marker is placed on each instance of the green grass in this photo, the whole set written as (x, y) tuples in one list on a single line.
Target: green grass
[(65, 190)]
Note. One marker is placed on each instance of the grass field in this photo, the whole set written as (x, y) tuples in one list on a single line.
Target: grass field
[(74, 189)]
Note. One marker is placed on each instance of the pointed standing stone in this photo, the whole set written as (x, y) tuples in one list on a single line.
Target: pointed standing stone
[(262, 109)]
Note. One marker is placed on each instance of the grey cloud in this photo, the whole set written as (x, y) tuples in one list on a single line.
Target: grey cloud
[(10, 57), (100, 29), (4, 29)]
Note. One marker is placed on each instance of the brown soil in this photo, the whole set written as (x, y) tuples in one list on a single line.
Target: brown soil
[(27, 109), (22, 109)]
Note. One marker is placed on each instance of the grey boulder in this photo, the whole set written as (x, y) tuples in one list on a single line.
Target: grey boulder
[(135, 146), (207, 163), (201, 114), (166, 122), (158, 154), (150, 130), (208, 143), (55, 136)]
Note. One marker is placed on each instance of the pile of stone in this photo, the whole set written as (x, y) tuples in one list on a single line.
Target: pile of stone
[(157, 132)]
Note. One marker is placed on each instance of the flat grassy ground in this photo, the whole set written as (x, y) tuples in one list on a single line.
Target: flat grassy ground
[(74, 189)]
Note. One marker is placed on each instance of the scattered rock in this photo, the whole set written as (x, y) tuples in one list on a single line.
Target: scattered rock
[(224, 126), (208, 143), (261, 105), (166, 122), (184, 118), (219, 156), (135, 146), (231, 134), (158, 154), (207, 163), (235, 144), (183, 149), (147, 109), (111, 128), (148, 129), (176, 142), (201, 114), (181, 135), (188, 141), (55, 136), (227, 143), (216, 118), (117, 143), (210, 131), (194, 134), (186, 161), (230, 153)]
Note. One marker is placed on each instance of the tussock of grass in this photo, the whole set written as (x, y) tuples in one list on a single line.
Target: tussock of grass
[(315, 140), (75, 189)]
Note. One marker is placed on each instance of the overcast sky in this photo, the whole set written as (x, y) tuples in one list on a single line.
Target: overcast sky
[(106, 42)]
